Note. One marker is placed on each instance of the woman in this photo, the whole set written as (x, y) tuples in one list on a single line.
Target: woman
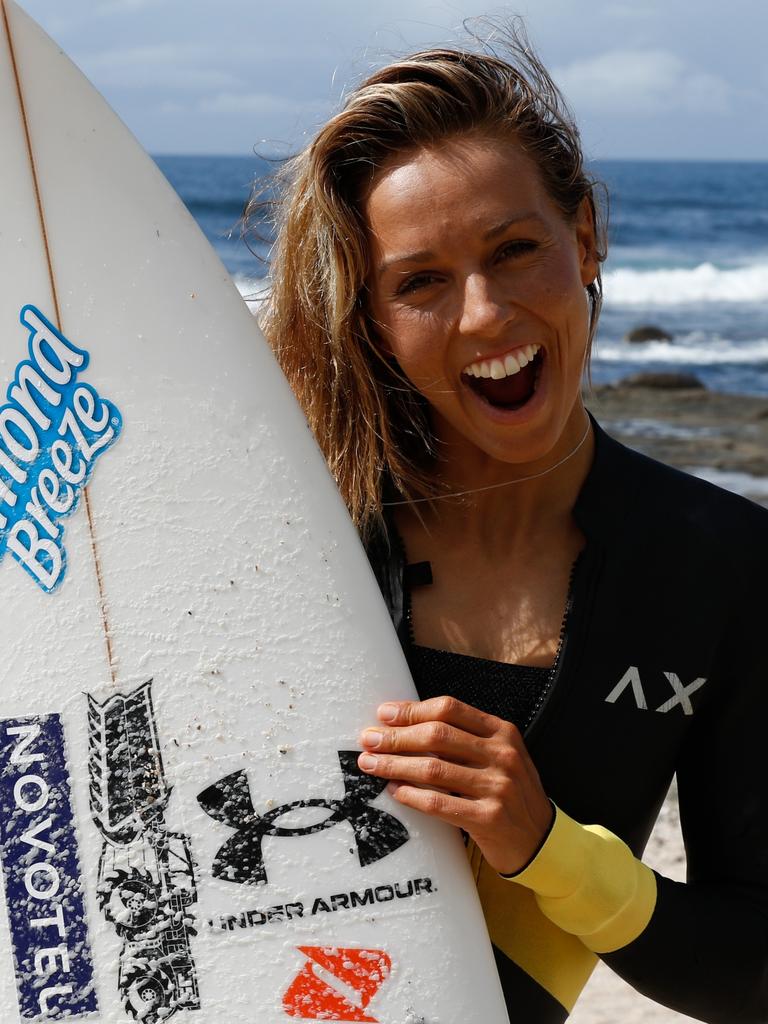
[(581, 622)]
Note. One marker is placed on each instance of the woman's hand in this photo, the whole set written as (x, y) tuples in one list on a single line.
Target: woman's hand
[(468, 768)]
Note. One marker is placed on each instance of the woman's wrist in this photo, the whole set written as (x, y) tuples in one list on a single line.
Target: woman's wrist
[(540, 844), (587, 881)]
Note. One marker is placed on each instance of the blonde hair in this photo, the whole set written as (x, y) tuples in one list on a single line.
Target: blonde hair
[(371, 424)]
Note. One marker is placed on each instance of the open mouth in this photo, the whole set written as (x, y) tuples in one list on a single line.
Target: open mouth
[(508, 382)]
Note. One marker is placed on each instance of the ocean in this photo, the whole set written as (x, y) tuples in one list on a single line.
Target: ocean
[(688, 252)]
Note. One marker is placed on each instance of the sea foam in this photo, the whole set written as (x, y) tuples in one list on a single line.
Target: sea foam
[(253, 290), (678, 286), (755, 487), (692, 349)]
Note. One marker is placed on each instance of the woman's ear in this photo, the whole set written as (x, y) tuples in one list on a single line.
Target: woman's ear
[(586, 237)]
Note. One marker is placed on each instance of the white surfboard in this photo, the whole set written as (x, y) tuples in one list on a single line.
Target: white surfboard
[(191, 636)]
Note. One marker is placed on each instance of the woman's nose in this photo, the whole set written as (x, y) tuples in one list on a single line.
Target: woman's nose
[(484, 311)]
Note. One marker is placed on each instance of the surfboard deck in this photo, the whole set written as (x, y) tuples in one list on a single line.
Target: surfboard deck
[(192, 638)]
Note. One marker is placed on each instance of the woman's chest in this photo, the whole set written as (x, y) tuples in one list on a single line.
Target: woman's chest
[(496, 595), (490, 617), (512, 610)]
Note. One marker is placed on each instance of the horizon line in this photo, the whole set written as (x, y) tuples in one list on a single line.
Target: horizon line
[(599, 159)]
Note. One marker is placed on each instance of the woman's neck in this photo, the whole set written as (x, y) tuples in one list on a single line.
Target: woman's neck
[(503, 506)]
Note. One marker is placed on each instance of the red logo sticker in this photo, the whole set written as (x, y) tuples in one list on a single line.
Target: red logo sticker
[(361, 972)]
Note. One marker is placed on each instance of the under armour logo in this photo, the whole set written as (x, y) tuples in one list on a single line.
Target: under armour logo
[(240, 860), (681, 694), (361, 972)]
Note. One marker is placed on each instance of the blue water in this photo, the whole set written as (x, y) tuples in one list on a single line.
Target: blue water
[(215, 190), (688, 252)]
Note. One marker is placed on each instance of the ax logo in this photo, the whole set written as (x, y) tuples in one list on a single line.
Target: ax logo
[(681, 694), (361, 972), (377, 833)]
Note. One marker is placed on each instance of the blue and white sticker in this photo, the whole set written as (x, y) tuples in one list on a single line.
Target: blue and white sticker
[(52, 429), (41, 869)]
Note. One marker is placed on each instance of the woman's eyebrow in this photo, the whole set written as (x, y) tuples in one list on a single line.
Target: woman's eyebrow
[(422, 256), (517, 218), (425, 255)]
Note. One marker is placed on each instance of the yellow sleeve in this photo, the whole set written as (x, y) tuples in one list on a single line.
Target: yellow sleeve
[(587, 881)]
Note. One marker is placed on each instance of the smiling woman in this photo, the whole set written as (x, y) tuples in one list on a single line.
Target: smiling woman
[(581, 622), (325, 335), (503, 273)]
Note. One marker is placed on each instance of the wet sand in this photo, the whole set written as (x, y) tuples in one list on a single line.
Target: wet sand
[(690, 428)]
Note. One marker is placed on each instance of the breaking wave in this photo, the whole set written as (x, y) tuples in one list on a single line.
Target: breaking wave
[(693, 349), (681, 286), (253, 290)]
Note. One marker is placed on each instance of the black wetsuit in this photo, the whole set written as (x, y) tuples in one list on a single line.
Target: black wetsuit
[(662, 670)]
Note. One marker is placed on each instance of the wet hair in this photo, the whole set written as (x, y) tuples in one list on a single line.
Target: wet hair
[(371, 424)]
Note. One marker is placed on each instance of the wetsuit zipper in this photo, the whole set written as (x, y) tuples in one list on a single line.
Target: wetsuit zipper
[(564, 643), (582, 588), (546, 693)]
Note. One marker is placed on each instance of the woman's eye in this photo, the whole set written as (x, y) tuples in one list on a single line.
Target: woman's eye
[(414, 283), (517, 248)]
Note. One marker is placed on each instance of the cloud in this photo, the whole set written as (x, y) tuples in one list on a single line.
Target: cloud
[(258, 103), (158, 53), (124, 7), (642, 82), (628, 12), (183, 66), (172, 107)]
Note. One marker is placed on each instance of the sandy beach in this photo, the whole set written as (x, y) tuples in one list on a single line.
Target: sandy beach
[(609, 1000), (724, 437)]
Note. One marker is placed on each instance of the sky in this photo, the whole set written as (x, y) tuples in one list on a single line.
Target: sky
[(656, 79)]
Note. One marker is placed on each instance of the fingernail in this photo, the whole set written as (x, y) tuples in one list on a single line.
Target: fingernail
[(372, 738), (367, 762), (388, 712)]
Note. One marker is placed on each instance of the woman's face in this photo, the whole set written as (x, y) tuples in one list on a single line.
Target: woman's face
[(477, 288)]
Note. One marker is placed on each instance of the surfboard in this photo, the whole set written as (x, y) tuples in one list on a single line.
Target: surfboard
[(191, 636)]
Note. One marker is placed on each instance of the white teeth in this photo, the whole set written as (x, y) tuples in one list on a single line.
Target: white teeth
[(497, 369)]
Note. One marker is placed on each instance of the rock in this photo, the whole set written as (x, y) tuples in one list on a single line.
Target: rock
[(669, 381), (647, 332)]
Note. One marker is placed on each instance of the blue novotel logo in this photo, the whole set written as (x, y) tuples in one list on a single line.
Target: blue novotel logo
[(43, 890), (52, 429)]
